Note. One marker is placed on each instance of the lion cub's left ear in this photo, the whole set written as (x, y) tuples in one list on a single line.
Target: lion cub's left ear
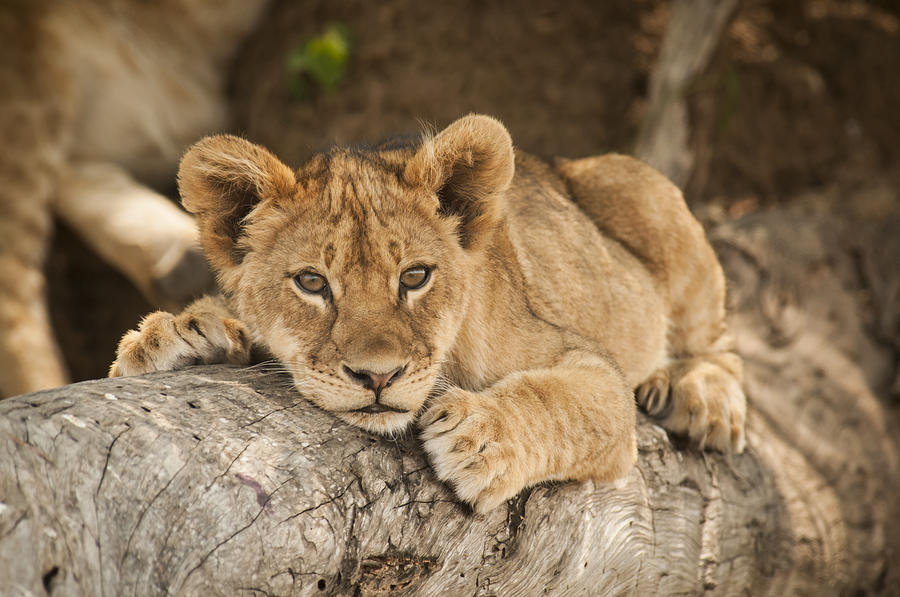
[(468, 165), (222, 179)]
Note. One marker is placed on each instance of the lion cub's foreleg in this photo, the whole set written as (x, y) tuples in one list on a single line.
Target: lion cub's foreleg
[(204, 333), (575, 420)]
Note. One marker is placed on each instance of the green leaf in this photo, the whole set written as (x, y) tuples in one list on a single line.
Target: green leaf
[(319, 63)]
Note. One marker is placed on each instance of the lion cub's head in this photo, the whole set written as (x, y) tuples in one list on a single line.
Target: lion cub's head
[(354, 270)]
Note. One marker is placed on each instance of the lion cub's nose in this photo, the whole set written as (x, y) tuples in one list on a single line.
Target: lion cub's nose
[(374, 381)]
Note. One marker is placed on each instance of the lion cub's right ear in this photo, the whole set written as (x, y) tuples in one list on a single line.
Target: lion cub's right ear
[(222, 179)]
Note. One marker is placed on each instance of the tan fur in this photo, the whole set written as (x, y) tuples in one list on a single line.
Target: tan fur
[(553, 294), (99, 100)]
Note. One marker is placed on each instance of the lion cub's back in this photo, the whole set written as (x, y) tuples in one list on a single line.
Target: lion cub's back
[(578, 278)]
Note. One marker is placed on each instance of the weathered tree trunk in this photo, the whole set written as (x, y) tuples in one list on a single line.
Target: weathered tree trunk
[(223, 481)]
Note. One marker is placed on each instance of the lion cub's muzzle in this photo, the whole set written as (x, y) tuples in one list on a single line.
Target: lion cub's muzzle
[(376, 382)]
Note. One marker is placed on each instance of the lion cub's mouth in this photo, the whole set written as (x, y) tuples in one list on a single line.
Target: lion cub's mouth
[(377, 408)]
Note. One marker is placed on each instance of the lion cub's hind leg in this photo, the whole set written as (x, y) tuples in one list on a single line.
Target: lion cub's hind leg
[(699, 393), (700, 397)]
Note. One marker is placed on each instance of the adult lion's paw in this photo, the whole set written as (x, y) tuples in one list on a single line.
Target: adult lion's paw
[(471, 449), (699, 399), (166, 342)]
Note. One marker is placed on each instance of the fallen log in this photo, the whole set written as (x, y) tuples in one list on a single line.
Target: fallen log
[(218, 480)]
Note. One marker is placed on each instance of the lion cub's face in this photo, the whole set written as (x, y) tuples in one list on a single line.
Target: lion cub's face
[(355, 270), (357, 289)]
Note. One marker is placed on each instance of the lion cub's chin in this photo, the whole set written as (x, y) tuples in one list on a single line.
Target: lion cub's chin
[(386, 423)]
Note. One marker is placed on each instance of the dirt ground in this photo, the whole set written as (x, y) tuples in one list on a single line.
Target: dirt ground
[(801, 97)]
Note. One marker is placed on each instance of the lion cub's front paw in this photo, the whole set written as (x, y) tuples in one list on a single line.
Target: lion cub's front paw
[(471, 449), (699, 399), (165, 342)]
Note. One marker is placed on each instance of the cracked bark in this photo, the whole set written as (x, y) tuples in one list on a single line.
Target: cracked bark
[(219, 481)]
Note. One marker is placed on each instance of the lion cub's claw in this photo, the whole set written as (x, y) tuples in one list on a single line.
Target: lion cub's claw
[(470, 449), (704, 403), (166, 342), (653, 394)]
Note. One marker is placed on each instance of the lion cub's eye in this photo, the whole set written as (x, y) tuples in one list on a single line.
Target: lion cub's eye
[(311, 282), (415, 277)]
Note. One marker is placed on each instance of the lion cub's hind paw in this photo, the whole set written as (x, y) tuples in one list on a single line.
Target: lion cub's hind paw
[(653, 394), (166, 342), (702, 401)]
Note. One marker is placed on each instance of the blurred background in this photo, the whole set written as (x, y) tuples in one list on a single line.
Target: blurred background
[(799, 101)]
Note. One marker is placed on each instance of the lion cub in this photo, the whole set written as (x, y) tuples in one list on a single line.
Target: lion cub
[(536, 299)]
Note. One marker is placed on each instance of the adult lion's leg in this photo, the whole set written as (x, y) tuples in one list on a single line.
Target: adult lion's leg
[(29, 357), (32, 120), (138, 231), (699, 394)]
